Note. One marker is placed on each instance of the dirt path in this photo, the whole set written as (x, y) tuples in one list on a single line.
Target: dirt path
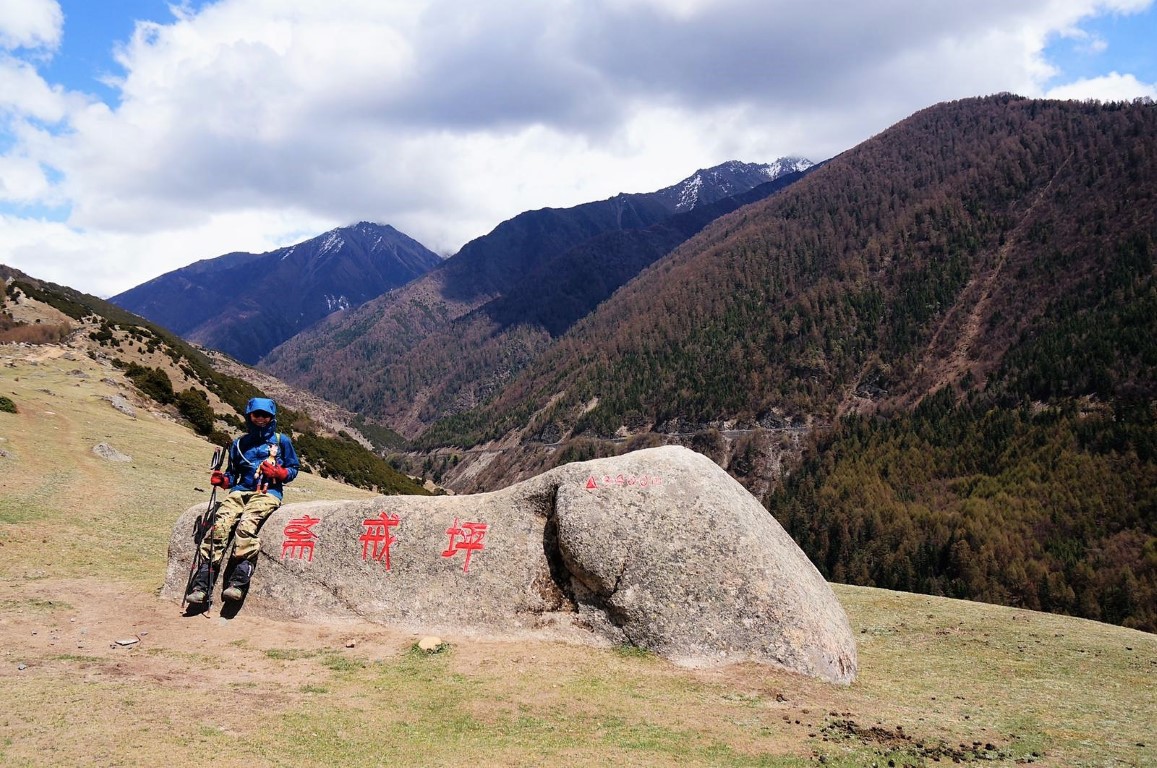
[(151, 638), (112, 662)]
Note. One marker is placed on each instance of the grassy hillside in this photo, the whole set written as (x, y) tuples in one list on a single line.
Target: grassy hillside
[(178, 377), (96, 670), (66, 511)]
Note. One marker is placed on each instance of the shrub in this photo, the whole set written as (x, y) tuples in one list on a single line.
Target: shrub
[(193, 404), (152, 382), (22, 333), (353, 464)]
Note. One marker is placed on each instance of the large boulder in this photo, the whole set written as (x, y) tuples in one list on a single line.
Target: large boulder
[(658, 548)]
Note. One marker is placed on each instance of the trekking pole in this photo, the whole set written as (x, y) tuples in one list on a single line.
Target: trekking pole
[(203, 528)]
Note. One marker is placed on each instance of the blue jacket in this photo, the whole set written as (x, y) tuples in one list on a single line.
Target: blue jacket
[(248, 452)]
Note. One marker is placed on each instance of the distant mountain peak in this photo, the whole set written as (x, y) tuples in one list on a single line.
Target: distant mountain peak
[(709, 185), (365, 233), (337, 270)]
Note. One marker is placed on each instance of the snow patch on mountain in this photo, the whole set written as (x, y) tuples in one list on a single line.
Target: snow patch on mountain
[(731, 178), (689, 193), (335, 303), (333, 241)]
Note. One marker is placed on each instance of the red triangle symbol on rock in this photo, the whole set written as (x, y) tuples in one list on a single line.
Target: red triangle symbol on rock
[(591, 484)]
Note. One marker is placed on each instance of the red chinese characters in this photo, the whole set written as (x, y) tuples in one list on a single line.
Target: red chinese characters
[(593, 483), (377, 539), (467, 538), (299, 538)]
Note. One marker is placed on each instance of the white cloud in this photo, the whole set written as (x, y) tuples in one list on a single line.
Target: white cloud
[(22, 181), (105, 263), (1111, 87), (30, 24), (27, 102), (1094, 44), (252, 121), (24, 94)]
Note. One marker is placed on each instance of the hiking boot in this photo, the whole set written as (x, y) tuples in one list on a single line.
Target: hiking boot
[(201, 586), (238, 581)]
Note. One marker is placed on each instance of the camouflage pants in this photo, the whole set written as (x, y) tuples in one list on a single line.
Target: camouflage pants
[(247, 510)]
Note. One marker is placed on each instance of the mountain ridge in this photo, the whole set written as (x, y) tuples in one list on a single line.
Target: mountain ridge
[(245, 304), (405, 346), (710, 185), (936, 234)]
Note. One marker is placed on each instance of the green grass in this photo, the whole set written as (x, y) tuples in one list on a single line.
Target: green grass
[(634, 652), (941, 682), (605, 707), (291, 654), (336, 662), (443, 722), (33, 605)]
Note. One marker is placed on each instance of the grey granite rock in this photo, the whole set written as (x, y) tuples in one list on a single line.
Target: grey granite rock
[(659, 548), (106, 451)]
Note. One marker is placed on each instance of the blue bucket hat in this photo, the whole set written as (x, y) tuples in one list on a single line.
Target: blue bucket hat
[(261, 404)]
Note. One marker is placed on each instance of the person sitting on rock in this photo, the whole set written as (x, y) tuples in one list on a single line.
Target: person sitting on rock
[(260, 463)]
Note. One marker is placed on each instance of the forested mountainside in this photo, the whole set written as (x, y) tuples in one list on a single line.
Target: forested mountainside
[(245, 304), (968, 300), (918, 259), (445, 342)]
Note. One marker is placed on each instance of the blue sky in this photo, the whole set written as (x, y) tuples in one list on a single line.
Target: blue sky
[(138, 136), (91, 31), (1115, 42)]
